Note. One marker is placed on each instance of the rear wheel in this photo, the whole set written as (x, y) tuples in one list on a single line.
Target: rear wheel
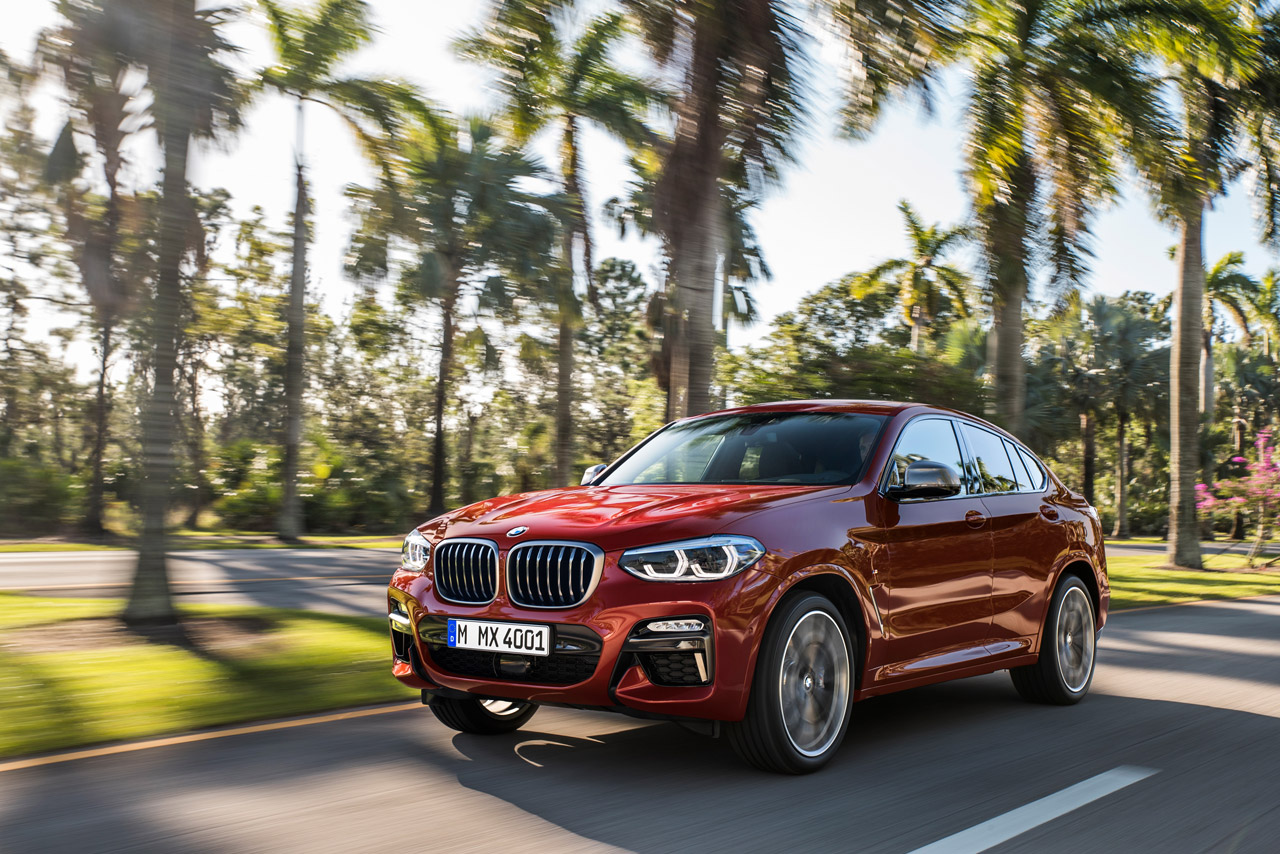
[(1064, 671), (482, 717), (800, 698)]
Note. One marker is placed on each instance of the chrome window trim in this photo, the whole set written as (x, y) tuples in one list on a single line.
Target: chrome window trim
[(597, 571), (496, 569)]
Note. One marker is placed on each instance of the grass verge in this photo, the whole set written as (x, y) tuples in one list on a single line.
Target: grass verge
[(1142, 581), (70, 675)]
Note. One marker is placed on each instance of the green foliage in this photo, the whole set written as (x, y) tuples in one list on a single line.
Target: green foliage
[(34, 498)]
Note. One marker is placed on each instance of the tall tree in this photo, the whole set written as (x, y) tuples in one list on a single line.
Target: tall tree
[(922, 282), (1229, 104), (477, 234), (1055, 97), (737, 114), (550, 78), (87, 54), (181, 48), (310, 47)]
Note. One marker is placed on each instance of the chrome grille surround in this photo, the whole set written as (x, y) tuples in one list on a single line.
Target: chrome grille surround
[(465, 571), (553, 574)]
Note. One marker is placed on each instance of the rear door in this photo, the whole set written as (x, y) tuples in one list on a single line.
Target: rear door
[(1025, 542), (939, 568)]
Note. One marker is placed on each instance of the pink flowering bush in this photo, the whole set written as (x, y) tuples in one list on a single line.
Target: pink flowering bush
[(1256, 493)]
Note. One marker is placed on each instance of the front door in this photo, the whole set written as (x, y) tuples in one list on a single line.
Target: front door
[(938, 579)]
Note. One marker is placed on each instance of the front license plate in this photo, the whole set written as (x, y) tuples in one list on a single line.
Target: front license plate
[(522, 638)]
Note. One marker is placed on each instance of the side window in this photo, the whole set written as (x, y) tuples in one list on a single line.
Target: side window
[(994, 468), (925, 439), (1019, 470), (1033, 468)]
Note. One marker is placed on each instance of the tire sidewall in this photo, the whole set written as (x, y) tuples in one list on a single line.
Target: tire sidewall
[(1052, 665), (768, 674)]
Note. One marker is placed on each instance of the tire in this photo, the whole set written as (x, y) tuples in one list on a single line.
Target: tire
[(802, 693), (1068, 649), (482, 717)]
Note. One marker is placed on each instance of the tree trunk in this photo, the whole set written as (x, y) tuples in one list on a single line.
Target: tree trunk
[(1184, 425), (678, 373), (94, 508), (1089, 453), (1237, 445), (1206, 372), (439, 468), (200, 488), (289, 526), (1121, 530), (468, 485), (567, 305), (1007, 246), (150, 599)]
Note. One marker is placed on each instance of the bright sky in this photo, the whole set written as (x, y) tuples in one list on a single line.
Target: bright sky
[(834, 214)]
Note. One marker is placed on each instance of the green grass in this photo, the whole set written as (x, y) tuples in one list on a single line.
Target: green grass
[(106, 690), (1141, 581), (203, 540)]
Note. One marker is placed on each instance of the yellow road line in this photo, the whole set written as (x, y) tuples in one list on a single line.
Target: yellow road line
[(195, 581), (134, 746)]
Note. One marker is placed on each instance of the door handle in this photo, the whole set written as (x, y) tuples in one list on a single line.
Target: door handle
[(974, 519), (1048, 512)]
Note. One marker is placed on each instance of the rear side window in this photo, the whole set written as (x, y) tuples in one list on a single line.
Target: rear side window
[(1033, 469), (931, 439), (995, 471)]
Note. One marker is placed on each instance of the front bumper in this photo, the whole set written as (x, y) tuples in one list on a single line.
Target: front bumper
[(602, 655)]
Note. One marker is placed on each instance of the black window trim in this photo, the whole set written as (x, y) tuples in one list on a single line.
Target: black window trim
[(971, 460), (883, 487)]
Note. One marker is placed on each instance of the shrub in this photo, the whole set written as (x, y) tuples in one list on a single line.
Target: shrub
[(34, 498)]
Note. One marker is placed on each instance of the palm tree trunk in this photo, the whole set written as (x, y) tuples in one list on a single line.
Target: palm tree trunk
[(1237, 445), (567, 304), (200, 488), (150, 599), (1184, 452), (1121, 529), (1206, 373), (289, 526), (439, 468), (564, 399), (95, 507), (1089, 453), (1007, 249)]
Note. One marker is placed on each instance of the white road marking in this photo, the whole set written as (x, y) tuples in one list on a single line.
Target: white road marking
[(1004, 827)]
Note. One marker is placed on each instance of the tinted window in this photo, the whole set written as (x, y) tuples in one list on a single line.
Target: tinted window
[(925, 439), (757, 447), (1033, 469), (994, 469), (1019, 470)]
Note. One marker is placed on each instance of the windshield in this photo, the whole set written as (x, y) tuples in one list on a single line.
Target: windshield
[(757, 447)]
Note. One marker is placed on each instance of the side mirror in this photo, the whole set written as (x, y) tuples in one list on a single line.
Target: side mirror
[(927, 479), (592, 473)]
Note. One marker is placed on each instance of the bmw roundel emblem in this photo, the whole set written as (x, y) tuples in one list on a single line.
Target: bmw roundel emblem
[(515, 532)]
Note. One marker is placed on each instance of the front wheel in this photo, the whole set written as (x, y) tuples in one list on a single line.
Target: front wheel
[(1064, 671), (482, 717), (800, 699)]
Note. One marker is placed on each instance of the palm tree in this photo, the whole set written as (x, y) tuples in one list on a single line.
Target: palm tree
[(180, 47), (310, 46), (93, 70), (1228, 287), (922, 281), (1229, 103), (1055, 97), (1263, 308), (477, 233), (737, 114), (1251, 384), (550, 81)]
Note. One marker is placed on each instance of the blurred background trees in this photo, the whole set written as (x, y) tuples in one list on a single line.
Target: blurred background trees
[(163, 363)]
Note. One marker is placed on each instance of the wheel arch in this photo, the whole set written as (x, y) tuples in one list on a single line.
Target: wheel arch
[(1079, 567)]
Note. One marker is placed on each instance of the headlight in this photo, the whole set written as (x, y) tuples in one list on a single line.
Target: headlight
[(414, 552), (705, 559)]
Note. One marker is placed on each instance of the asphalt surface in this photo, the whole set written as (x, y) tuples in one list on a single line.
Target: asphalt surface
[(340, 581), (1185, 708)]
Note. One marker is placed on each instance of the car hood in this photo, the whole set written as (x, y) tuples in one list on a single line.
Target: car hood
[(618, 517)]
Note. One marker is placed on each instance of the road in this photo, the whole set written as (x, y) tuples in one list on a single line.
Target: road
[(1175, 750), (340, 581)]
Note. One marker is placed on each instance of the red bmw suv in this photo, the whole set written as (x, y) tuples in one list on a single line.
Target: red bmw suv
[(757, 571)]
